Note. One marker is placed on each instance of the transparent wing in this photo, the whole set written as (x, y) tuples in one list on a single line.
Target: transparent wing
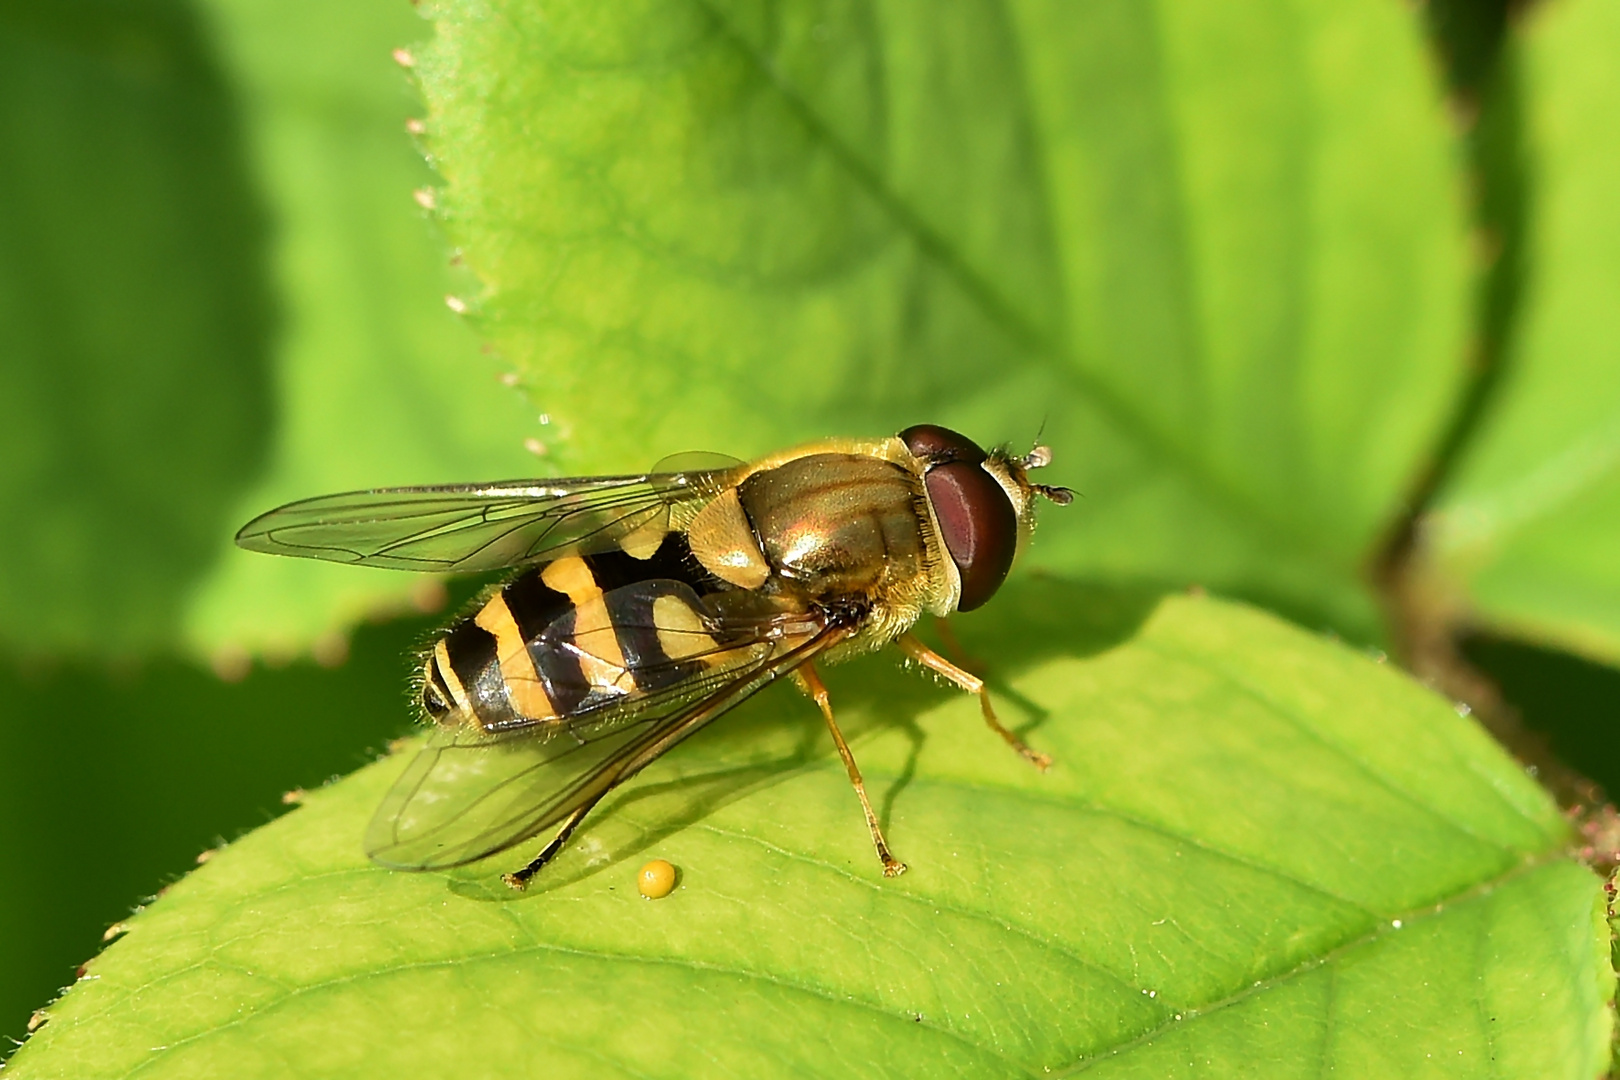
[(468, 795), (473, 527)]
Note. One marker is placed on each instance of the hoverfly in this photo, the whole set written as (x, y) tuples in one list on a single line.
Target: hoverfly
[(649, 605)]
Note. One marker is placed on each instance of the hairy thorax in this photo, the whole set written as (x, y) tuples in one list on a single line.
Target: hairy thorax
[(828, 528)]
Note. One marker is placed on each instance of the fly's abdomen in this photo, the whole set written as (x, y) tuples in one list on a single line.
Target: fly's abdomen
[(572, 636)]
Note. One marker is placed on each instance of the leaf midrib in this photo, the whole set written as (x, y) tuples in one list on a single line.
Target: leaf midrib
[(1408, 920), (1118, 408)]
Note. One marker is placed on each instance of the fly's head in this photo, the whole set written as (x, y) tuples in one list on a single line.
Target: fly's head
[(984, 503)]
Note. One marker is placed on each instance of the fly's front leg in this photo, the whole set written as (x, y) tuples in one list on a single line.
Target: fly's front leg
[(973, 685), (811, 683)]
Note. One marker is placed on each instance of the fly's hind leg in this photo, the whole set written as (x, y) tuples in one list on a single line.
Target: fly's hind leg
[(811, 683), (520, 879), (930, 659)]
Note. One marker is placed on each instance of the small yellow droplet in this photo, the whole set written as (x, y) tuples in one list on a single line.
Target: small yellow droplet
[(656, 880)]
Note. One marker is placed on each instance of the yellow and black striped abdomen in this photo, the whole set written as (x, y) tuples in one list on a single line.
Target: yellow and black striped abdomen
[(574, 635)]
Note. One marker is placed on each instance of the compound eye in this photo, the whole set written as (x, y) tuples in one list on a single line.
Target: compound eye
[(937, 445), (979, 526)]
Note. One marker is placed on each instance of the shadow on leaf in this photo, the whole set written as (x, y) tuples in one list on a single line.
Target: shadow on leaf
[(777, 735)]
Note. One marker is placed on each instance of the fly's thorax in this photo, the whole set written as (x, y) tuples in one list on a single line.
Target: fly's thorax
[(832, 525), (890, 449), (723, 540), (843, 520), (737, 547)]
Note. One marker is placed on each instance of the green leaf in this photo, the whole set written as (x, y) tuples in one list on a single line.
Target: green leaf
[(1258, 853), (377, 383), (1219, 252), (216, 294), (114, 780), (1527, 527)]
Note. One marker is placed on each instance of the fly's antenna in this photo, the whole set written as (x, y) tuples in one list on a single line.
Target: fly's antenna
[(1039, 457), (1061, 495)]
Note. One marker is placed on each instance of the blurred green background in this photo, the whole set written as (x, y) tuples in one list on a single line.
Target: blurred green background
[(218, 292)]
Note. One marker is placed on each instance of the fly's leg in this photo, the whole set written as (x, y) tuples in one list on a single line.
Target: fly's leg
[(811, 683), (930, 659), (953, 644), (520, 879)]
